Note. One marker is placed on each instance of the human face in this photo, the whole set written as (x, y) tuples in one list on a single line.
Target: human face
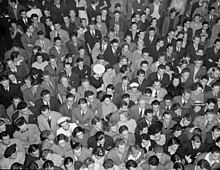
[(39, 59), (83, 107), (64, 82), (115, 46), (216, 89), (6, 140), (198, 64), (177, 133), (196, 40), (62, 143), (210, 106), (109, 91), (69, 166), (121, 148), (80, 135), (215, 156), (151, 33), (66, 20), (197, 144), (58, 43), (36, 154), (91, 98), (107, 101), (25, 111), (199, 90), (5, 83), (125, 134), (85, 85), (70, 101), (167, 118), (35, 19), (144, 130), (157, 85), (12, 77), (217, 45), (161, 72), (162, 60), (141, 77), (156, 108), (2, 128), (176, 82), (216, 133), (77, 152), (197, 108), (144, 67), (185, 75), (187, 96), (149, 117), (46, 113), (68, 68), (65, 125), (210, 117)]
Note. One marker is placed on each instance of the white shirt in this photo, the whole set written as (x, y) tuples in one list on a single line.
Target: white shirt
[(195, 72), (67, 132)]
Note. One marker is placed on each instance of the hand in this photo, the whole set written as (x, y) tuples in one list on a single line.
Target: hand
[(210, 60), (188, 159)]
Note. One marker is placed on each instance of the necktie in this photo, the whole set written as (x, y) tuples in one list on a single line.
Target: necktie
[(207, 125), (83, 113), (184, 102), (51, 85), (49, 122), (35, 94), (58, 34), (156, 94)]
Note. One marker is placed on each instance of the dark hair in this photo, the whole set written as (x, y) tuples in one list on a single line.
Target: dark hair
[(108, 163), (131, 163), (67, 160), (178, 166), (48, 164), (153, 160), (122, 129), (16, 166), (77, 130), (204, 164), (33, 148)]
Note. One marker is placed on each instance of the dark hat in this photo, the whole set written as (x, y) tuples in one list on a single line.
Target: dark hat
[(155, 127), (10, 150), (22, 105)]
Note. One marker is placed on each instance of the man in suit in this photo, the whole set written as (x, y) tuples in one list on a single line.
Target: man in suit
[(28, 41), (196, 69), (58, 50), (16, 47), (66, 109), (38, 26), (206, 122), (93, 10), (117, 19), (58, 32), (123, 87), (73, 44), (94, 103), (24, 111), (141, 80), (85, 86), (7, 89), (43, 42), (211, 17), (150, 39), (91, 36), (67, 25), (24, 20), (113, 52), (137, 111), (159, 75), (14, 9), (73, 77), (214, 93), (184, 100), (82, 114), (83, 71), (32, 94), (47, 120), (168, 123), (213, 157), (158, 92), (180, 51), (47, 99), (49, 26), (201, 165)]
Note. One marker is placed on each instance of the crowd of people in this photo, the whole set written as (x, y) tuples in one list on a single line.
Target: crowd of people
[(110, 84)]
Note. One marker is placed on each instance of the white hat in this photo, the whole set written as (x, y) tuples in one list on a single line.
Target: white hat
[(134, 84), (99, 68), (62, 119)]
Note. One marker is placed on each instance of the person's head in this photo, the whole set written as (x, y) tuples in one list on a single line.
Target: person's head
[(83, 104), (48, 136), (217, 44), (45, 95), (211, 103), (155, 105), (34, 18), (23, 108), (110, 89), (57, 41), (185, 73), (17, 166), (96, 122), (108, 164), (148, 114), (48, 164), (187, 119), (4, 138), (186, 94), (176, 158), (89, 163), (45, 111), (197, 17), (204, 80), (66, 19), (198, 88), (152, 31), (120, 145), (100, 138), (123, 60), (153, 162), (123, 130), (68, 163), (21, 124), (196, 141), (210, 115), (49, 21), (61, 140), (4, 80), (145, 53), (141, 102), (77, 148), (98, 152), (161, 58), (131, 165), (125, 81), (157, 84), (30, 29), (153, 23), (78, 132), (68, 68), (174, 143), (34, 150), (114, 44), (216, 131), (203, 165), (117, 14), (196, 40), (178, 166), (144, 65), (167, 117), (215, 87), (23, 13), (198, 61)]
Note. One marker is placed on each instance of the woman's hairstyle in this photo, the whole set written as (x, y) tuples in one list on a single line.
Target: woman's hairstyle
[(77, 130), (59, 138), (99, 151), (16, 166), (176, 158), (130, 164), (174, 141)]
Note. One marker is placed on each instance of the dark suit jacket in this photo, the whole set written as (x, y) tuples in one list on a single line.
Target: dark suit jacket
[(210, 54), (166, 24), (85, 72), (69, 29), (149, 43), (191, 52), (153, 76), (29, 96), (214, 166), (90, 40), (72, 48), (6, 96), (84, 121), (91, 12), (178, 99), (110, 57), (52, 90), (54, 104), (23, 25), (120, 90), (53, 72), (141, 86), (63, 52), (74, 78), (65, 111), (108, 145), (201, 72), (32, 119), (12, 14)]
